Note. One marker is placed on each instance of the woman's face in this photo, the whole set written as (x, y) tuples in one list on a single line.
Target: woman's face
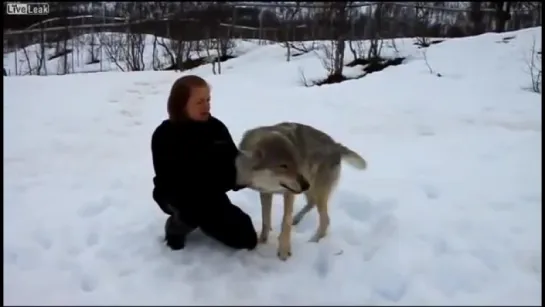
[(198, 105)]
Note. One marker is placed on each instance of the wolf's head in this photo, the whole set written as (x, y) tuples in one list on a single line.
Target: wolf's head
[(271, 166)]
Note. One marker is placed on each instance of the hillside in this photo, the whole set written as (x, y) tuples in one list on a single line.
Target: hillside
[(448, 212)]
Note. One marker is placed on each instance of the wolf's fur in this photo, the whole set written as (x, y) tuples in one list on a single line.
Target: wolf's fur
[(289, 159)]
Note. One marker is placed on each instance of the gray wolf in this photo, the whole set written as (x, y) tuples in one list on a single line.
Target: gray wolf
[(292, 158)]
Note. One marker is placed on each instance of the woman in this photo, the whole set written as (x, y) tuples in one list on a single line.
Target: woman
[(194, 162)]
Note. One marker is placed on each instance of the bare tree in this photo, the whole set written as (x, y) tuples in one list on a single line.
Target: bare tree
[(222, 43), (224, 40), (356, 46), (62, 45), (502, 14), (476, 18), (421, 23), (288, 17), (94, 48), (175, 49), (27, 59), (158, 11), (207, 46), (374, 29), (15, 59), (41, 62), (260, 18), (156, 63), (133, 53), (112, 43), (334, 53), (308, 23)]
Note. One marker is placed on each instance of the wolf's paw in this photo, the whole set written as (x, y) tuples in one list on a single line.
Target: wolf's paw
[(283, 255), (284, 251), (263, 236)]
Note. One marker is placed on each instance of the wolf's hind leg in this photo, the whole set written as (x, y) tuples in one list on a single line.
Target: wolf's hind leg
[(323, 219)]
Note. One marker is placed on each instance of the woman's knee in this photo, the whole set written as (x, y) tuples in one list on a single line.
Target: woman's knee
[(248, 239), (246, 231), (242, 240)]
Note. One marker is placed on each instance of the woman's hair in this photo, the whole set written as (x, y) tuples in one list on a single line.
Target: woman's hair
[(179, 95)]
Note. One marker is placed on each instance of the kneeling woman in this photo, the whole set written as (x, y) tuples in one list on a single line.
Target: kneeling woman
[(194, 161)]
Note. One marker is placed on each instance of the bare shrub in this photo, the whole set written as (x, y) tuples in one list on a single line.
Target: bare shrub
[(393, 44), (333, 60), (534, 67), (133, 53), (299, 48), (430, 69), (303, 78), (176, 50), (357, 48), (113, 47)]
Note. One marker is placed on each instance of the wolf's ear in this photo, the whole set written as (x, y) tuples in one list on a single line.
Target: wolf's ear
[(246, 154), (256, 155)]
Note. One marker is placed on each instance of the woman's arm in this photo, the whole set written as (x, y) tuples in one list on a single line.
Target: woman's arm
[(229, 153), (164, 163)]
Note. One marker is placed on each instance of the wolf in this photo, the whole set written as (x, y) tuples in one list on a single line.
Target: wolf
[(292, 158)]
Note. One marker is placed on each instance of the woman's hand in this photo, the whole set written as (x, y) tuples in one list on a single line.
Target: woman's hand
[(239, 187)]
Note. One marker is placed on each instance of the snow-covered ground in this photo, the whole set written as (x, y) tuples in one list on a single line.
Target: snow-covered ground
[(448, 212)]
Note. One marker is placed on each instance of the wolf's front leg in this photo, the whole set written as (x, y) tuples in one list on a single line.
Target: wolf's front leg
[(284, 239), (266, 207)]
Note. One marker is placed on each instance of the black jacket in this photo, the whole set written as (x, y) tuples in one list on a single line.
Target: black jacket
[(194, 165)]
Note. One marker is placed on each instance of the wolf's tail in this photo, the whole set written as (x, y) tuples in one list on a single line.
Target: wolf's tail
[(352, 158)]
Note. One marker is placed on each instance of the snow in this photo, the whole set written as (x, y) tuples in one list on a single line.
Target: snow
[(448, 212)]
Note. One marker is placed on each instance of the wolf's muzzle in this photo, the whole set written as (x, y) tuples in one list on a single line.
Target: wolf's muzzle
[(303, 183)]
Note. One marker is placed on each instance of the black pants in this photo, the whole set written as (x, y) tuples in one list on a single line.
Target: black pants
[(222, 221)]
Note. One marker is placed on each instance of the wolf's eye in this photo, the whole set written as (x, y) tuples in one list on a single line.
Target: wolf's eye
[(283, 166)]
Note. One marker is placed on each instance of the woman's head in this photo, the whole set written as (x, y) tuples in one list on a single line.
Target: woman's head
[(189, 99)]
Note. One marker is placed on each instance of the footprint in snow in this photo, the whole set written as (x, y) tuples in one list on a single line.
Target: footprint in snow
[(88, 283), (431, 191), (94, 208)]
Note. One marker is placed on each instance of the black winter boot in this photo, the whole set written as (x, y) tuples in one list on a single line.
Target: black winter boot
[(176, 233)]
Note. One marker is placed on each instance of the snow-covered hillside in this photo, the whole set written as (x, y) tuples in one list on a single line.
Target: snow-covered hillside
[(448, 212)]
